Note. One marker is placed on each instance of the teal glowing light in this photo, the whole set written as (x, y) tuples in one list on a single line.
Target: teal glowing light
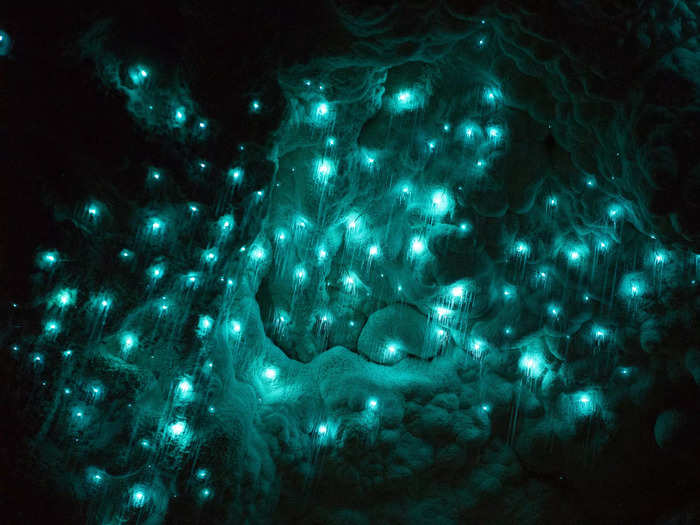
[(225, 223), (300, 274), (236, 327), (531, 364), (330, 142), (184, 390), (177, 429), (235, 174), (632, 286), (138, 74), (554, 310), (441, 202), (65, 297), (521, 249), (270, 373), (210, 256), (321, 110), (202, 124), (373, 251), (129, 341), (154, 174), (202, 473), (205, 493), (465, 227), (255, 106), (52, 327), (491, 95), (156, 226), (204, 325), (615, 212), (552, 201), (93, 210), (599, 333), (156, 271), (324, 169), (372, 403), (49, 258), (179, 116), (126, 255), (585, 403), (5, 42), (494, 133), (457, 291), (417, 245), (406, 100), (257, 254), (138, 496)]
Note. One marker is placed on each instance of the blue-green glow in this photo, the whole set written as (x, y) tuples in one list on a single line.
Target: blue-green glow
[(138, 495), (210, 256), (126, 255), (129, 341), (179, 116), (532, 364), (65, 297), (204, 325), (138, 74), (156, 271)]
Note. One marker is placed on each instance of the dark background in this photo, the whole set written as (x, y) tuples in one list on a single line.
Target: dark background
[(63, 133)]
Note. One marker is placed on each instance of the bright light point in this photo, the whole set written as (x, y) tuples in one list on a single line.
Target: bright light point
[(441, 202), (553, 310), (431, 145), (322, 109), (202, 473), (209, 256), (204, 325), (531, 364), (322, 254), (257, 253), (457, 291), (138, 496), (330, 141), (184, 388), (404, 96), (270, 373), (445, 128), (236, 174), (255, 105), (300, 274), (521, 248), (372, 403), (322, 429), (324, 169), (373, 251), (615, 211), (574, 255), (485, 408), (177, 429), (493, 132), (52, 327), (417, 245), (180, 115), (391, 348), (128, 342)]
